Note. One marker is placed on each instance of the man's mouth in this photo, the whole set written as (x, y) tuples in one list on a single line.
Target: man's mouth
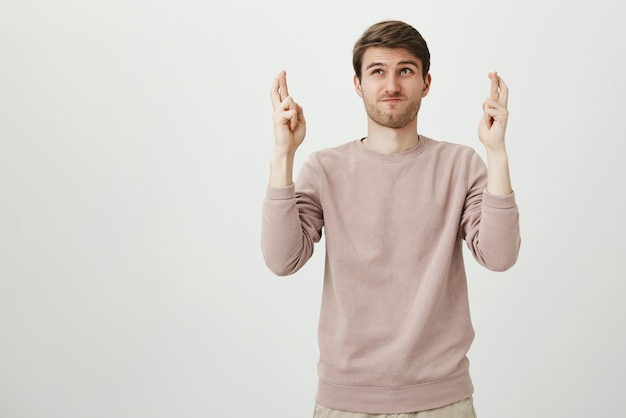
[(391, 99)]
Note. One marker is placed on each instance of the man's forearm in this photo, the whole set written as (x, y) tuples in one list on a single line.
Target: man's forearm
[(281, 169), (498, 177)]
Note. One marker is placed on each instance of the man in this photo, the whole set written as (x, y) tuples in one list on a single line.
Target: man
[(394, 206)]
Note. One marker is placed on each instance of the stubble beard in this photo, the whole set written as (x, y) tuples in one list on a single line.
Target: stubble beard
[(392, 120)]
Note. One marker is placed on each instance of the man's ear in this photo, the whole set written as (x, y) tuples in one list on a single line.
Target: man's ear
[(427, 80), (357, 86)]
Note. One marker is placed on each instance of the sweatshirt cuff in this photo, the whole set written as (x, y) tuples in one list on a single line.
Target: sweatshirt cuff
[(499, 202), (281, 193)]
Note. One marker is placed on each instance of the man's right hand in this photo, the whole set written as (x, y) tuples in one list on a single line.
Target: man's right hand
[(289, 122)]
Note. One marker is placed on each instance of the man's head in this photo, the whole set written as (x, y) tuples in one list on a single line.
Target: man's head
[(391, 34)]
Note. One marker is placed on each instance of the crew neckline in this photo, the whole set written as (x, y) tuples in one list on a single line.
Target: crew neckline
[(401, 156)]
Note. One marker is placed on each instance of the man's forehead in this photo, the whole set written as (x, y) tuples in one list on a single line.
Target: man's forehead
[(388, 56)]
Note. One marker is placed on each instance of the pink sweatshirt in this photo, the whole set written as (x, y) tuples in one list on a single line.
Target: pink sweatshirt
[(395, 325)]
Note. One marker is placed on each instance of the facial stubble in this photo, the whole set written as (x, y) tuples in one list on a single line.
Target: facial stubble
[(392, 119)]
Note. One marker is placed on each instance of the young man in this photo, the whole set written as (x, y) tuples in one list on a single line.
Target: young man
[(395, 206)]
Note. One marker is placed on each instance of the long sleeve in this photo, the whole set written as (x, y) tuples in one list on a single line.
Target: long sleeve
[(490, 224), (291, 224)]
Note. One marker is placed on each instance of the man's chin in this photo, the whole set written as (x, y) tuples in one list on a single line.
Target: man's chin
[(394, 123)]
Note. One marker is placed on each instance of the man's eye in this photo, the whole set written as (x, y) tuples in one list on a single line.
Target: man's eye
[(377, 71), (406, 71)]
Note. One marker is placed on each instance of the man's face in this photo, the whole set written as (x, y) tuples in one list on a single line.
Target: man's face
[(391, 86)]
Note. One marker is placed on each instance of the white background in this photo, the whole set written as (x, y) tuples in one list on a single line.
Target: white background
[(134, 147)]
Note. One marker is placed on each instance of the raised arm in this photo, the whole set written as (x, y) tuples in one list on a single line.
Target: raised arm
[(491, 130), (292, 221), (289, 132)]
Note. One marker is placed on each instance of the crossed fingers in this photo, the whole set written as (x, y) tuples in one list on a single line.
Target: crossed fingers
[(495, 107), (285, 108), (279, 91), (499, 90)]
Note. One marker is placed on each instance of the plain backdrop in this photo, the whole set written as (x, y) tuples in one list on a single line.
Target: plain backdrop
[(134, 152)]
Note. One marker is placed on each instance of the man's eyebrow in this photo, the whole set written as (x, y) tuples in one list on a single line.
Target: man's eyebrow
[(380, 64), (409, 62), (375, 64)]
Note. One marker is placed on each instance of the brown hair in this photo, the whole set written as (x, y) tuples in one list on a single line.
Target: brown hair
[(391, 34)]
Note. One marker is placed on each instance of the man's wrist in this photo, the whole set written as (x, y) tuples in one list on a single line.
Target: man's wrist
[(281, 168), (278, 153)]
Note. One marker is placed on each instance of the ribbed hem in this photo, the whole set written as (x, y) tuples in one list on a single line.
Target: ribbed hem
[(280, 193), (407, 399), (499, 202), (403, 156)]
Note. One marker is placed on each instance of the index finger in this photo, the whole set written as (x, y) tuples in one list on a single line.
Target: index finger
[(274, 94), (279, 91), (495, 93), (504, 92), (282, 86), (499, 90)]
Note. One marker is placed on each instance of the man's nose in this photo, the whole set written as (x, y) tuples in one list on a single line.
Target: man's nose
[(392, 85)]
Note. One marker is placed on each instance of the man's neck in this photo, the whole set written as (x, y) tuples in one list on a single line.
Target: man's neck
[(391, 141)]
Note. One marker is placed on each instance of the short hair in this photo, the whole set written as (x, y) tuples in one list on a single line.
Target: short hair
[(391, 34)]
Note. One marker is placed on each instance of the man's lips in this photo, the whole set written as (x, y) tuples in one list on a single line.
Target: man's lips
[(391, 100)]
